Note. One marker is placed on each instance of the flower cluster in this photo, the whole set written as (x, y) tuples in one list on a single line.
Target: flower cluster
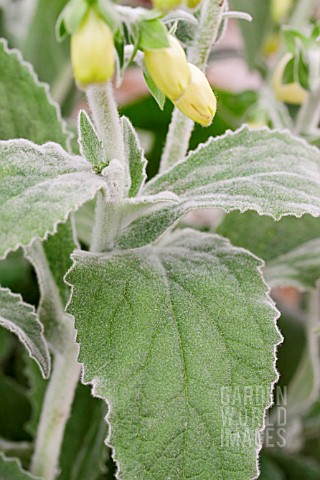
[(93, 61)]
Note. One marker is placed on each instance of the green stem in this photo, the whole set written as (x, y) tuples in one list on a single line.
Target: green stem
[(106, 119), (309, 114), (65, 374), (55, 413), (109, 203), (180, 129)]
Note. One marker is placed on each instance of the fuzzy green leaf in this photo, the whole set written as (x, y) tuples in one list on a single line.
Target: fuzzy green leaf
[(135, 155), (21, 319), (152, 34), (157, 94), (90, 145), (39, 187), (270, 172), (26, 110), (163, 332)]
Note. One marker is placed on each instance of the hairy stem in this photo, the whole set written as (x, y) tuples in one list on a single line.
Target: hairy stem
[(180, 129), (108, 209), (309, 114), (55, 413), (106, 119), (65, 374)]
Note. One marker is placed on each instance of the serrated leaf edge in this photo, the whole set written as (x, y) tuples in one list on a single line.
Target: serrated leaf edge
[(54, 229), (95, 383), (125, 120), (228, 133), (17, 331), (44, 86)]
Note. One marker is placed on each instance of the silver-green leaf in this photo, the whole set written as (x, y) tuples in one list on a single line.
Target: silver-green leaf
[(90, 145), (21, 319), (271, 172), (171, 337), (39, 187), (26, 109), (135, 155)]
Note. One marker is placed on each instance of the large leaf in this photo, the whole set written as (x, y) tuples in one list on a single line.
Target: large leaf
[(163, 332), (290, 247), (20, 318), (10, 469), (39, 187), (26, 110), (270, 172)]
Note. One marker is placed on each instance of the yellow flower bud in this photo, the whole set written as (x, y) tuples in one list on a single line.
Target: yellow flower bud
[(166, 5), (198, 101), (92, 51), (168, 68), (291, 93), (280, 9)]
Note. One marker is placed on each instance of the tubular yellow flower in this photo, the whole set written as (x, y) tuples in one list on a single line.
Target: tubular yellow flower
[(168, 68), (92, 51), (291, 93), (280, 9), (198, 101)]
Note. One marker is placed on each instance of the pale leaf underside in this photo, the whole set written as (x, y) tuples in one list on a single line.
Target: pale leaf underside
[(163, 332)]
